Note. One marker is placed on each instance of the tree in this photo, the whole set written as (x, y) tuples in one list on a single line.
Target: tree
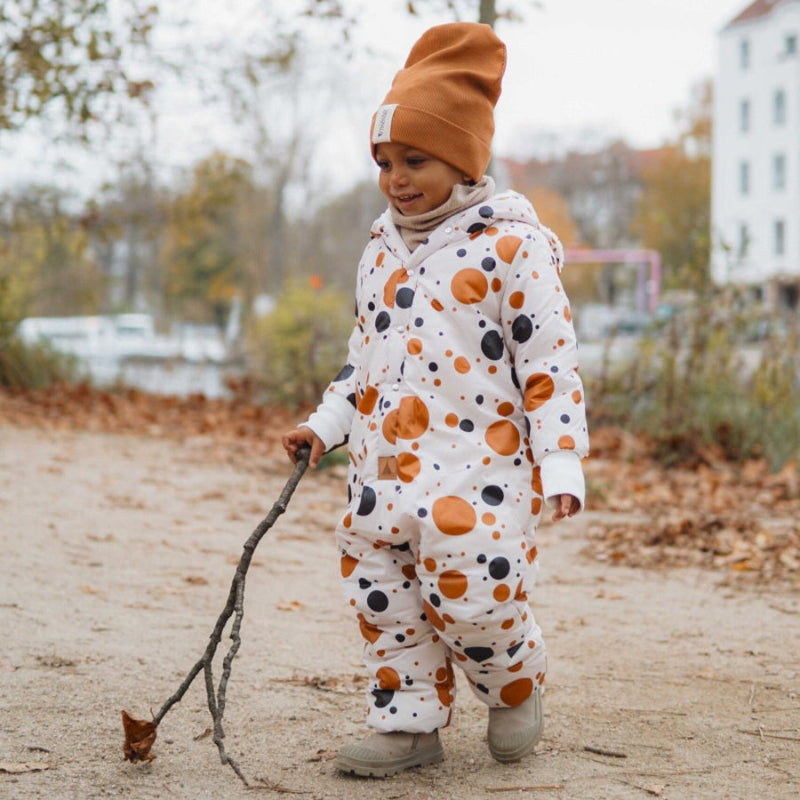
[(70, 57), (214, 247), (46, 263), (674, 212)]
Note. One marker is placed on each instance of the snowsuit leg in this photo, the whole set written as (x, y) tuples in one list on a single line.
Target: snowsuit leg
[(425, 597)]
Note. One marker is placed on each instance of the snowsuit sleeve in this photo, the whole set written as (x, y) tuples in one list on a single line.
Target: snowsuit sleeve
[(538, 330), (334, 415)]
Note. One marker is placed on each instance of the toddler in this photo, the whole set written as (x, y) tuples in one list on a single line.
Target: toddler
[(463, 412)]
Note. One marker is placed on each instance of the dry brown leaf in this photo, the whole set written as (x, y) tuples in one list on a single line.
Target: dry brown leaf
[(289, 605), (139, 738)]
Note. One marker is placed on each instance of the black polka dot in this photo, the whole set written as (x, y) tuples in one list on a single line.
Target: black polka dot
[(478, 654), (382, 321), (492, 495), (383, 697), (486, 211), (378, 601), (492, 345), (467, 425), (521, 328), (368, 501), (499, 568), (488, 264), (405, 297)]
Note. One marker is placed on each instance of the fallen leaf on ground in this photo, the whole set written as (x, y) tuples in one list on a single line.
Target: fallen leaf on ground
[(139, 738), (289, 605)]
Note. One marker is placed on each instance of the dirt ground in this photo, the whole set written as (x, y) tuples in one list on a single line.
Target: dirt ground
[(117, 555)]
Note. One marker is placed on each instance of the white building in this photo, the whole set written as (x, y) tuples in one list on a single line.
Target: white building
[(756, 156)]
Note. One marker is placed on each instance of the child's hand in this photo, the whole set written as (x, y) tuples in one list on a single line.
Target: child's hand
[(568, 506), (294, 440)]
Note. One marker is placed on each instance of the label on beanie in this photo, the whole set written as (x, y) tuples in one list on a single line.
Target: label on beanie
[(382, 130)]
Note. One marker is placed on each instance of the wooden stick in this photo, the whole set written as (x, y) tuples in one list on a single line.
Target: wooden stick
[(233, 607)]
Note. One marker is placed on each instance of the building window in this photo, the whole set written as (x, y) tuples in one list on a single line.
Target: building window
[(779, 171), (744, 240), (744, 177), (779, 236), (779, 107), (790, 44), (744, 116), (744, 54)]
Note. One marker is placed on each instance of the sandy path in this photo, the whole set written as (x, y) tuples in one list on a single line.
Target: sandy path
[(117, 554)]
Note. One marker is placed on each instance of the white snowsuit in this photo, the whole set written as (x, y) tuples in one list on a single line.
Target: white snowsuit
[(464, 412)]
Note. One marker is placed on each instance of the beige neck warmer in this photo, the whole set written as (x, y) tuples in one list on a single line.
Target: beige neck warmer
[(415, 229)]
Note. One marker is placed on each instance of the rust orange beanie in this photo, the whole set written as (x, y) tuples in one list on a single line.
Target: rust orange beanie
[(443, 99)]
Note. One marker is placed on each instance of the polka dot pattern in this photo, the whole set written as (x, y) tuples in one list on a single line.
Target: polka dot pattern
[(462, 377)]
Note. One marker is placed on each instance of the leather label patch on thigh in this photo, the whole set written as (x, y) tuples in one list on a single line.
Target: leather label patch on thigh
[(387, 468)]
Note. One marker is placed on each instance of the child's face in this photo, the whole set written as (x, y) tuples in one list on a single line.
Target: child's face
[(414, 181)]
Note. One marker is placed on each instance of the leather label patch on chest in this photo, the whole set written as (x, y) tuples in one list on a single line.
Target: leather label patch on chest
[(387, 468)]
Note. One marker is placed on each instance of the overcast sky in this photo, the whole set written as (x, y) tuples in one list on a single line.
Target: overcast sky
[(614, 67)]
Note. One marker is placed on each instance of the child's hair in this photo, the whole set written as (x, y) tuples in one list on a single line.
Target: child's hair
[(443, 100)]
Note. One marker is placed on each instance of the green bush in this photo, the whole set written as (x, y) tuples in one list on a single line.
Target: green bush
[(702, 380), (300, 347), (27, 366), (33, 366)]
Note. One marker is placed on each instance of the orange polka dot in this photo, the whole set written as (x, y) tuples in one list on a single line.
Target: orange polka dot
[(505, 409), (497, 285), (517, 299), (409, 421), (536, 480), (390, 289), (388, 678), (469, 286), (577, 396), (567, 314), (414, 347), (348, 564), (536, 506), (369, 631), (539, 389), (488, 519), (461, 365), (452, 584), (566, 443), (409, 572), (436, 305), (434, 619), (503, 437), (451, 420), (379, 259), (516, 692), (408, 467), (366, 403), (507, 624), (507, 247), (501, 593), (430, 564), (453, 515)]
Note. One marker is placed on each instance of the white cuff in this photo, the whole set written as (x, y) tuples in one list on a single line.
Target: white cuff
[(562, 473), (332, 420)]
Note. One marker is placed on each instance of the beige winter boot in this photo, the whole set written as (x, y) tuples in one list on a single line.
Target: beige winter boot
[(383, 754), (514, 732)]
